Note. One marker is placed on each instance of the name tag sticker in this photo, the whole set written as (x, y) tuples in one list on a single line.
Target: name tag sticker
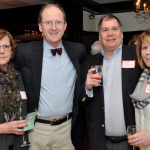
[(23, 95), (147, 89), (128, 64)]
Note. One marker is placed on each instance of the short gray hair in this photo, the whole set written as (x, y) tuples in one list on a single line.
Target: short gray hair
[(96, 47)]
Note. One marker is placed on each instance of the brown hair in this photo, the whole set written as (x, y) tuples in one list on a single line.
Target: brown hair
[(133, 39), (4, 33), (50, 5), (108, 17), (143, 37)]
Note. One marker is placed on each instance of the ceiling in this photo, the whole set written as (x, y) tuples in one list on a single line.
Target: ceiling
[(109, 1), (92, 6)]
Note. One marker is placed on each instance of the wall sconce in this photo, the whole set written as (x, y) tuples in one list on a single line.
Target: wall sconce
[(91, 16)]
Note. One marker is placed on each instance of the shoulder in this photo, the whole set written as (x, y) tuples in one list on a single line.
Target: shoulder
[(71, 43), (76, 46), (29, 44), (90, 60), (129, 47)]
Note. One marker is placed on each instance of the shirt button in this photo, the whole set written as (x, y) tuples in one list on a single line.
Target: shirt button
[(110, 71), (59, 98), (58, 85), (106, 111), (56, 72), (103, 125), (107, 97), (56, 60), (108, 84), (140, 120), (58, 110)]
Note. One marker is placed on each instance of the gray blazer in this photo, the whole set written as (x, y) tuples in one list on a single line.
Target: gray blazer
[(17, 138)]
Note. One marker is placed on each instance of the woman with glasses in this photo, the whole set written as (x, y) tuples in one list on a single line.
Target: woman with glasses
[(12, 101), (141, 95)]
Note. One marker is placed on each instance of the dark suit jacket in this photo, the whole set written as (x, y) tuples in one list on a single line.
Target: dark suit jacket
[(28, 60), (96, 116)]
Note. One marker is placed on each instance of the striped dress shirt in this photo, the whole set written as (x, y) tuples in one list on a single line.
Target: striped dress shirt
[(113, 101)]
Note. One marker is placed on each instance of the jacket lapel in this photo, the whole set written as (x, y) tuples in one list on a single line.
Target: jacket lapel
[(126, 55), (36, 62), (98, 60), (72, 55)]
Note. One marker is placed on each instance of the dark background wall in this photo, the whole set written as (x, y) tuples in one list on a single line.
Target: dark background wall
[(22, 23)]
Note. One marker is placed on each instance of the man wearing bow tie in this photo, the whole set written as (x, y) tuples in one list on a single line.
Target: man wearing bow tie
[(51, 74)]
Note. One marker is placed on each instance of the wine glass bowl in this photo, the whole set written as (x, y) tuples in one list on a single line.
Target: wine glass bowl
[(131, 130), (98, 70)]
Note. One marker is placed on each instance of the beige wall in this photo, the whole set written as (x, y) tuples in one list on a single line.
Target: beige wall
[(128, 19)]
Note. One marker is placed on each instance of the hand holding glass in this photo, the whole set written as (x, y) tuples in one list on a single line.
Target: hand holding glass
[(97, 71), (131, 130)]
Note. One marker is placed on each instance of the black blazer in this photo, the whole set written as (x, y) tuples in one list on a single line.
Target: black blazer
[(28, 60), (96, 115)]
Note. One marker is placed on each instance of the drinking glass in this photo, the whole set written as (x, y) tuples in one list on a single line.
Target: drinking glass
[(25, 144), (131, 130), (97, 71)]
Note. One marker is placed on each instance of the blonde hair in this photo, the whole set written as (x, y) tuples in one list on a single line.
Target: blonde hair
[(144, 37)]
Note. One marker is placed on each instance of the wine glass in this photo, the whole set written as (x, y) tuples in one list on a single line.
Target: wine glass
[(97, 71), (131, 129), (25, 144)]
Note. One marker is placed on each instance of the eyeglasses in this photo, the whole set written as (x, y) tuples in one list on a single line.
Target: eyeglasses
[(50, 23), (6, 47)]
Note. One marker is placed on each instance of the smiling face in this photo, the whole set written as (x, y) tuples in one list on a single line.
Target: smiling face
[(110, 35), (145, 52), (4, 55), (52, 34)]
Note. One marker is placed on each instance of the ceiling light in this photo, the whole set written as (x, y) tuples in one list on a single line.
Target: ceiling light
[(91, 16)]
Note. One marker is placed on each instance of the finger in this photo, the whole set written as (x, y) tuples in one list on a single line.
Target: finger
[(90, 71), (94, 82), (133, 136), (22, 125), (19, 133), (96, 76), (19, 121)]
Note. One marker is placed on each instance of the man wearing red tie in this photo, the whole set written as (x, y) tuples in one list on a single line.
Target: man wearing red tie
[(51, 74)]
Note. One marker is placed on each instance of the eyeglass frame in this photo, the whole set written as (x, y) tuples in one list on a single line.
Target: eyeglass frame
[(50, 25), (5, 49)]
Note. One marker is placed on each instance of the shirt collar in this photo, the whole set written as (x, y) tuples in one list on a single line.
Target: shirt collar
[(47, 47), (116, 51)]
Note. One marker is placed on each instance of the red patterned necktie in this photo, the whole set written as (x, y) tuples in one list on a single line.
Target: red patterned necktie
[(58, 50)]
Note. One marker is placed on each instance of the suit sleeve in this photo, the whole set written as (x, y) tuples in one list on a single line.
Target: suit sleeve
[(84, 100)]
